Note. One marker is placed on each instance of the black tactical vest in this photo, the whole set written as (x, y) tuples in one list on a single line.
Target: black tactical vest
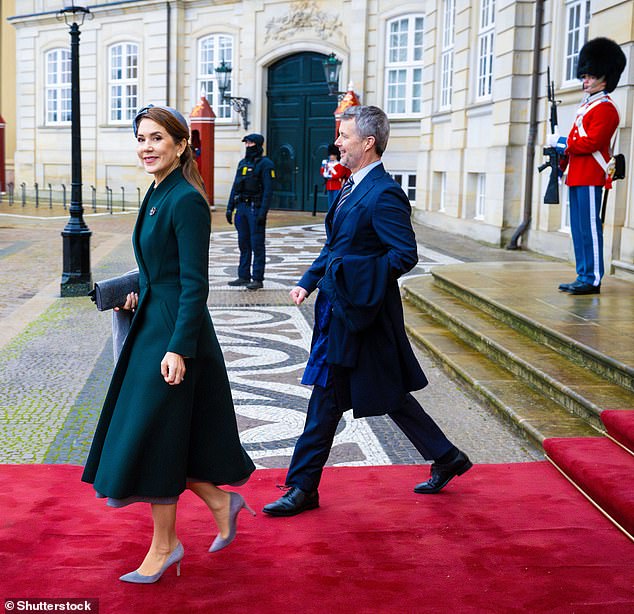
[(248, 180)]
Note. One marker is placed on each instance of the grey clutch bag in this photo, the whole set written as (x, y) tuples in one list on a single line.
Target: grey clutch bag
[(112, 292)]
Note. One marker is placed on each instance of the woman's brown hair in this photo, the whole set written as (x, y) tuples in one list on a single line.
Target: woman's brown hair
[(178, 132)]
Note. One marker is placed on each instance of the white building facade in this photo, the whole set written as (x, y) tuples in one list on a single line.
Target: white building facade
[(461, 81)]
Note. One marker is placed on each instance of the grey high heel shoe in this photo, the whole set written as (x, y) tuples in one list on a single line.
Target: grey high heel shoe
[(175, 557), (236, 503)]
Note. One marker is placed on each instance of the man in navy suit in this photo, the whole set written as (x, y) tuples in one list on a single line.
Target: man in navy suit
[(360, 355)]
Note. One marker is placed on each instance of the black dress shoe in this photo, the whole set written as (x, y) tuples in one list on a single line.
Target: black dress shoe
[(239, 282), (293, 502), (564, 287), (442, 474), (580, 287), (255, 285)]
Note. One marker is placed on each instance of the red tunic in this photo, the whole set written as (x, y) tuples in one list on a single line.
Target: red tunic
[(337, 175), (592, 131)]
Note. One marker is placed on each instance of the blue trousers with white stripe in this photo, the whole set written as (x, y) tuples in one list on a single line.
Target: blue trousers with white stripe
[(587, 232)]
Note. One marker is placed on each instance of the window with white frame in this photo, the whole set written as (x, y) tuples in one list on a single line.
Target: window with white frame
[(404, 65), (485, 48), (123, 83), (480, 196), (212, 50), (58, 86), (407, 181), (442, 191), (577, 20), (446, 54), (565, 209)]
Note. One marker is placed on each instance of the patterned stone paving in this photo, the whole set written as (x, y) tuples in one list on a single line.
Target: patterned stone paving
[(56, 371), (265, 352), (289, 252)]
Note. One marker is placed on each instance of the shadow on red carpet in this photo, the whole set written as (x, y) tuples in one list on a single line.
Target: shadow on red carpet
[(501, 539)]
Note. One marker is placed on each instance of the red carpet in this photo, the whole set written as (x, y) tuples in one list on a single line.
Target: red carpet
[(620, 424), (602, 469), (502, 538)]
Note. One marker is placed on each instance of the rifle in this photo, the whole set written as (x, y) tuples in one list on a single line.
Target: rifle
[(551, 197)]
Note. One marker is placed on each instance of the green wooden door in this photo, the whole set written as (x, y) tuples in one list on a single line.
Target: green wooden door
[(300, 125)]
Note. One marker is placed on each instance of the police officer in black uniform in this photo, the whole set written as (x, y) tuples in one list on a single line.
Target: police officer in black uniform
[(250, 199)]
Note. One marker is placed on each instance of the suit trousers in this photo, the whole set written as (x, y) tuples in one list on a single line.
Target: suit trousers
[(251, 241), (324, 413), (587, 232)]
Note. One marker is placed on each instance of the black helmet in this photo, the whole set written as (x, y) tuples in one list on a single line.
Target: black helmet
[(256, 138), (602, 57), (333, 150)]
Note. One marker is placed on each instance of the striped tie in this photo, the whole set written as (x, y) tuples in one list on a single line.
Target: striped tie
[(345, 192)]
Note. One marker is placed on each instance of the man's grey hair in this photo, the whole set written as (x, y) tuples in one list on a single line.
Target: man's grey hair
[(370, 121)]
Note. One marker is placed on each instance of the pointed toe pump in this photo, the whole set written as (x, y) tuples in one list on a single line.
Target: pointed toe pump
[(236, 504), (175, 557)]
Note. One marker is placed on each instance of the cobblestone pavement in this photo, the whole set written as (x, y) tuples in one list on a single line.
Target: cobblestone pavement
[(56, 353)]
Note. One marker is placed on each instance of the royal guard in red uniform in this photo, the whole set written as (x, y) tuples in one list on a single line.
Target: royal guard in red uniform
[(334, 173), (587, 151)]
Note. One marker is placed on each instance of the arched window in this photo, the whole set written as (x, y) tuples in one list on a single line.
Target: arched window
[(58, 97), (123, 82), (212, 50), (404, 65)]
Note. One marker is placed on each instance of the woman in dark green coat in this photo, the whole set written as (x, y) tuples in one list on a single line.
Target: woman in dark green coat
[(168, 421)]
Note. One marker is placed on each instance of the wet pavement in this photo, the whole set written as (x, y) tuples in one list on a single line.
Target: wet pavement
[(56, 353)]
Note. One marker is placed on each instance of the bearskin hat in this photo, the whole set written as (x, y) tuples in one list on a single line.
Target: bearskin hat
[(333, 150), (602, 57)]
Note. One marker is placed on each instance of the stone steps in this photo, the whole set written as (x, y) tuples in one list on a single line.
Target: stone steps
[(514, 352), (529, 412), (586, 330), (577, 388)]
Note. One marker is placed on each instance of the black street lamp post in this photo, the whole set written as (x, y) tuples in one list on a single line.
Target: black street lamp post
[(76, 275)]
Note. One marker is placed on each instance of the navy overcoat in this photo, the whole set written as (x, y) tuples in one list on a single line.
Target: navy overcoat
[(370, 243), (152, 436)]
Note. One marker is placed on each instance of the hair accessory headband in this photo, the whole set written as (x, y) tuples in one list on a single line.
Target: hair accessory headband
[(144, 110)]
